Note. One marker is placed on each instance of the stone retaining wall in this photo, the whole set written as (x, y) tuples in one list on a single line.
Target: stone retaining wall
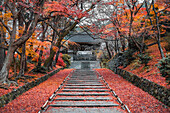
[(5, 99), (159, 92)]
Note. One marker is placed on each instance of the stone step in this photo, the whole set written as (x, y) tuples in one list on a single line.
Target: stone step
[(83, 80), (84, 72), (89, 80), (84, 110), (88, 84), (85, 90), (84, 84), (85, 87), (83, 104), (83, 94), (85, 77), (83, 98)]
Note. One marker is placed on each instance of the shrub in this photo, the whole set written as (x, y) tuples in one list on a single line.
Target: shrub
[(164, 67), (66, 58), (60, 61), (104, 63), (144, 59), (128, 57)]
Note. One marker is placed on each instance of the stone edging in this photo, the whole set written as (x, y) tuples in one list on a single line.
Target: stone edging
[(159, 92), (5, 99)]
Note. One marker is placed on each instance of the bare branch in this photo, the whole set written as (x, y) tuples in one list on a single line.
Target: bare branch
[(54, 28), (139, 8), (163, 9), (5, 26)]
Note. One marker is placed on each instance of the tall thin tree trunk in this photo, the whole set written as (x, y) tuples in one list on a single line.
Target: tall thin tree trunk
[(107, 47), (130, 30), (22, 64), (23, 57), (158, 34), (117, 42), (44, 27), (123, 44)]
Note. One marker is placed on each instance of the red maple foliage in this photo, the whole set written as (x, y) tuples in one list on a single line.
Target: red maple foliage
[(135, 98), (20, 82), (151, 72), (60, 61), (32, 100)]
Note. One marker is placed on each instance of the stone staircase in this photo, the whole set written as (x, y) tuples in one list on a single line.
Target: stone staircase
[(84, 92)]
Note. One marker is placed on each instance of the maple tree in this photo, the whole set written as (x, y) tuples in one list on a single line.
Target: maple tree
[(35, 30), (129, 20), (155, 15), (30, 14), (71, 10)]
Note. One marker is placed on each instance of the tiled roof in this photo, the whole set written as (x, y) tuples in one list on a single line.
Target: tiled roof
[(84, 38)]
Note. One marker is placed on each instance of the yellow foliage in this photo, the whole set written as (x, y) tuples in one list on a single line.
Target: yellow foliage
[(55, 48), (6, 16)]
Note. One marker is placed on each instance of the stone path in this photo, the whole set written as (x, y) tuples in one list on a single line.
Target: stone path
[(83, 92)]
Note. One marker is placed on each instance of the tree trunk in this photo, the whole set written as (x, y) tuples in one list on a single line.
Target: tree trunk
[(8, 60), (117, 42), (44, 28), (15, 67), (107, 47), (40, 58), (22, 64), (14, 44), (61, 36), (2, 53), (2, 35), (158, 34), (7, 64), (160, 49), (123, 44), (22, 61), (130, 30), (49, 60)]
